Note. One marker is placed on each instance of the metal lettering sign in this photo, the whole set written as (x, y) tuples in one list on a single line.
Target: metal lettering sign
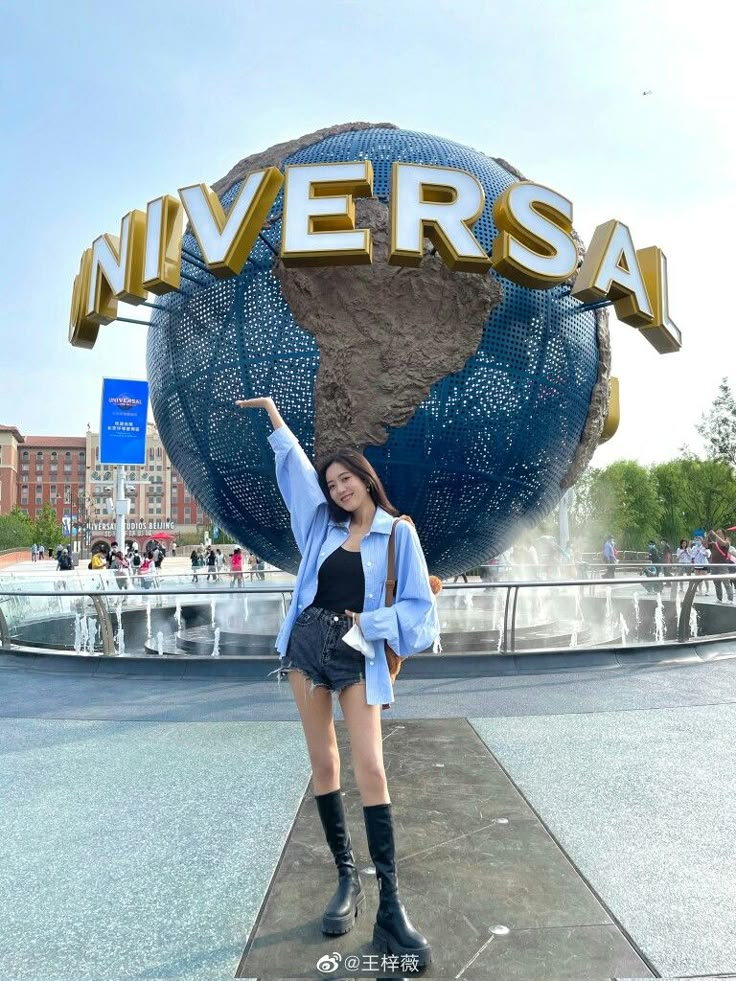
[(534, 247), (123, 422)]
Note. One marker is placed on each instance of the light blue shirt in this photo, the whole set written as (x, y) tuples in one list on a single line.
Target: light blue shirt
[(411, 624)]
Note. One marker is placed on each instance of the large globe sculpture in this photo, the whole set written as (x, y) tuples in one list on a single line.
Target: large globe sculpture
[(477, 401)]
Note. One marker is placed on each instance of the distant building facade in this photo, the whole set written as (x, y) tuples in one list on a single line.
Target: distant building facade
[(65, 472)]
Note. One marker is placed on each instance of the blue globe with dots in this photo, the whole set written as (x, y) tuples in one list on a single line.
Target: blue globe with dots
[(486, 451)]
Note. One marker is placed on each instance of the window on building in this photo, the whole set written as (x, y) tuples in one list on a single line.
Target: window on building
[(67, 495), (39, 500), (24, 478), (82, 455), (24, 467), (53, 455), (68, 455), (24, 495), (24, 455), (39, 456)]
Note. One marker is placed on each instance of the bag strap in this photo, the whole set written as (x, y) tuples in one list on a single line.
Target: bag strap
[(391, 564)]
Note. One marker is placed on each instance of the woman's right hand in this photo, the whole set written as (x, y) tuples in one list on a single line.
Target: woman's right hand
[(265, 402)]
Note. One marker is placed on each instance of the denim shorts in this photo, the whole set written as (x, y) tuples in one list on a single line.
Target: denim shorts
[(317, 651)]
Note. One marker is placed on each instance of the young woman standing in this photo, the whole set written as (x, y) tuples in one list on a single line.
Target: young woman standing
[(342, 520)]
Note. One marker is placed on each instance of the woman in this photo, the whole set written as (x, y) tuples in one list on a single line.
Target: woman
[(342, 521), (236, 568), (719, 545), (701, 561), (147, 572), (684, 558)]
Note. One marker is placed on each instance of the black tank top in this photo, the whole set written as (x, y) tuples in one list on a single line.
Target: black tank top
[(341, 583)]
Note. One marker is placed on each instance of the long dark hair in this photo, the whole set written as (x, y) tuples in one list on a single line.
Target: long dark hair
[(357, 464)]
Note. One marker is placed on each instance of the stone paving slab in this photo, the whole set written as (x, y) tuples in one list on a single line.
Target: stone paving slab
[(139, 850), (643, 803), (472, 858)]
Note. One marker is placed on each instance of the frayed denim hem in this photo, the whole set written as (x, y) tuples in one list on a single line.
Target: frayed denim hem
[(283, 670)]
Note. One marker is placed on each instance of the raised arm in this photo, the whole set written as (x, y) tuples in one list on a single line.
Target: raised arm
[(296, 477)]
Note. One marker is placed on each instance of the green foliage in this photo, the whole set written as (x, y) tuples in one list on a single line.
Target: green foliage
[(47, 529), (16, 530), (718, 426), (708, 494), (666, 501), (625, 503)]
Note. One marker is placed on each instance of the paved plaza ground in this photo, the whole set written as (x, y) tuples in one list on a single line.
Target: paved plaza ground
[(568, 824)]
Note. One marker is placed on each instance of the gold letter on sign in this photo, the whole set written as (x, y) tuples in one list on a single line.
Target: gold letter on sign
[(441, 203), (662, 333), (534, 246), (117, 269), (614, 410), (611, 271), (162, 264), (82, 330), (319, 214), (226, 240)]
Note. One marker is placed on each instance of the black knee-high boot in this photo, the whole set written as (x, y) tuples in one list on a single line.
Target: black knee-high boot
[(349, 898), (393, 932)]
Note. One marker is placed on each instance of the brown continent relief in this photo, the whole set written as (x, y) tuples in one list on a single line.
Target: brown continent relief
[(385, 333)]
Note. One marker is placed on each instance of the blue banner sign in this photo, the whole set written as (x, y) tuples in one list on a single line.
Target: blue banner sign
[(123, 423)]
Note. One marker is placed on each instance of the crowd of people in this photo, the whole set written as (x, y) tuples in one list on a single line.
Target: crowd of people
[(217, 566), (708, 555)]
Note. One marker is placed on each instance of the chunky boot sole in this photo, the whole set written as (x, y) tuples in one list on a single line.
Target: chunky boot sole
[(335, 926), (386, 943)]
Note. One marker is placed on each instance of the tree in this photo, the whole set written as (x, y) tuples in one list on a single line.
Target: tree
[(674, 490), (47, 530), (624, 502), (16, 530), (718, 426), (710, 494)]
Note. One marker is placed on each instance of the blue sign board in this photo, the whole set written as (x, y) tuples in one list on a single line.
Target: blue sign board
[(123, 423)]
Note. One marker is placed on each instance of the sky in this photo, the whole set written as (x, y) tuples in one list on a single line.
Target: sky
[(106, 106)]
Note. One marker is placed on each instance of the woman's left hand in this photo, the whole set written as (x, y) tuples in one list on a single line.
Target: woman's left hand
[(355, 616)]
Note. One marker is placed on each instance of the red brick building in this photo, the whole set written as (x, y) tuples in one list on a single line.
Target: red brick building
[(65, 472)]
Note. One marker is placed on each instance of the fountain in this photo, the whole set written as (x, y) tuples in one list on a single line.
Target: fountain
[(177, 614), (77, 633), (216, 645), (693, 624), (91, 634), (213, 609), (660, 628), (160, 642), (637, 619), (148, 617), (623, 628), (83, 633), (120, 641)]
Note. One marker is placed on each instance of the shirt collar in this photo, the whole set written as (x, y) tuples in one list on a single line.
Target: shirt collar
[(382, 523)]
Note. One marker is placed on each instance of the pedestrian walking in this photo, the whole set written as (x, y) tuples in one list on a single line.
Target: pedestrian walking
[(609, 557), (236, 568)]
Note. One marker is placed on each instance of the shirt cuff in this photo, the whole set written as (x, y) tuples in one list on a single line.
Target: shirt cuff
[(282, 438)]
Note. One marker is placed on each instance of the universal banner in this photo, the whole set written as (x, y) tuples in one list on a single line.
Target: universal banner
[(123, 423)]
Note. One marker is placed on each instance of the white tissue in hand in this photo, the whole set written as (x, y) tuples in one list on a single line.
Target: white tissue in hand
[(354, 638)]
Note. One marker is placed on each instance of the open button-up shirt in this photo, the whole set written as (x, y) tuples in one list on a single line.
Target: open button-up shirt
[(411, 624)]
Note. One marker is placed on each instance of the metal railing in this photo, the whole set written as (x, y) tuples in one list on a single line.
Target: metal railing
[(508, 611)]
